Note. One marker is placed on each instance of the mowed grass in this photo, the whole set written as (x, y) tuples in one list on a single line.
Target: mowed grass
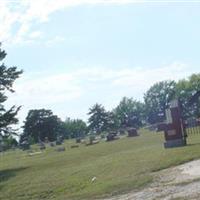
[(118, 166)]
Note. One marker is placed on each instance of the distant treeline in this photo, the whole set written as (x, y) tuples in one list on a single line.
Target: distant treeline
[(41, 124)]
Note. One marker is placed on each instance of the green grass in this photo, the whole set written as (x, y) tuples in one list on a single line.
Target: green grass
[(119, 166)]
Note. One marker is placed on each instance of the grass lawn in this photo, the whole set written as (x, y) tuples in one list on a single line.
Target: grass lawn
[(118, 166)]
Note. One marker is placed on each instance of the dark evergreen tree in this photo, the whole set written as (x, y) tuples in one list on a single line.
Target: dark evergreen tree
[(7, 77)]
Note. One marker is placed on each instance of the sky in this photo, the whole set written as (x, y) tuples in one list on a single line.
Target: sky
[(76, 53)]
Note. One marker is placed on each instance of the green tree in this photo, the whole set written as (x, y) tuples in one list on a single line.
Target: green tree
[(98, 120), (194, 81), (75, 128), (157, 99), (7, 142), (112, 122), (129, 113), (40, 124), (7, 77), (185, 89)]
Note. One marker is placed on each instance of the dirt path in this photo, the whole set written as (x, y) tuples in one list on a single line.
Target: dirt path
[(177, 183)]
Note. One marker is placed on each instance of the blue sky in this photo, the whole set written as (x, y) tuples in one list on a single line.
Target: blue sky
[(75, 53)]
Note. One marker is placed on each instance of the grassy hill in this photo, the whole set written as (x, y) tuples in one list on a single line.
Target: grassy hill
[(118, 166)]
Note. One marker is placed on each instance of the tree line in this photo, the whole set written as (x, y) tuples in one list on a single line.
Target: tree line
[(41, 124)]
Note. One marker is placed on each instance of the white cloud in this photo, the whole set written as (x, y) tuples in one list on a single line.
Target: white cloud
[(47, 90), (36, 34), (145, 77), (7, 19), (57, 39), (25, 12)]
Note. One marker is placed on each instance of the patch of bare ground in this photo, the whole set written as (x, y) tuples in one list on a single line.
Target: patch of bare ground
[(176, 183)]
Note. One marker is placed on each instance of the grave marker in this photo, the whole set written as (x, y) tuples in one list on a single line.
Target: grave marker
[(174, 127)]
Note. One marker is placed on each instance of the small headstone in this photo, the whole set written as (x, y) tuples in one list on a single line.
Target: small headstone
[(83, 141), (59, 140), (91, 139), (132, 132), (52, 144), (42, 146), (25, 145), (34, 153), (46, 140), (78, 140), (60, 149), (1, 148), (74, 146), (95, 142), (111, 136)]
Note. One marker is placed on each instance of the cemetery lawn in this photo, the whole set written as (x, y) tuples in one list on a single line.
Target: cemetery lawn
[(119, 166)]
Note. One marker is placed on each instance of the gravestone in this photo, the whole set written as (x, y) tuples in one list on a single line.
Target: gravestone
[(25, 145), (60, 149), (132, 132), (46, 140), (42, 145), (174, 127), (1, 143), (59, 140), (74, 146), (111, 136), (52, 144), (78, 140), (91, 139)]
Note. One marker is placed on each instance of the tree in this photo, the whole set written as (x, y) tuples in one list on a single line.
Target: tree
[(157, 99), (98, 119), (185, 89), (112, 122), (7, 142), (75, 128), (130, 113), (7, 77), (194, 82), (41, 124)]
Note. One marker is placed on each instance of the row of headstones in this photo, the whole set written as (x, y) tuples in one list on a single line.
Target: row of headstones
[(25, 145), (132, 132), (59, 141)]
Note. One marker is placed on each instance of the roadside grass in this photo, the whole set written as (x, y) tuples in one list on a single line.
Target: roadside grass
[(119, 166)]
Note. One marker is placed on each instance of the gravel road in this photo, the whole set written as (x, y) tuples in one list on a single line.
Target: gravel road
[(177, 183)]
